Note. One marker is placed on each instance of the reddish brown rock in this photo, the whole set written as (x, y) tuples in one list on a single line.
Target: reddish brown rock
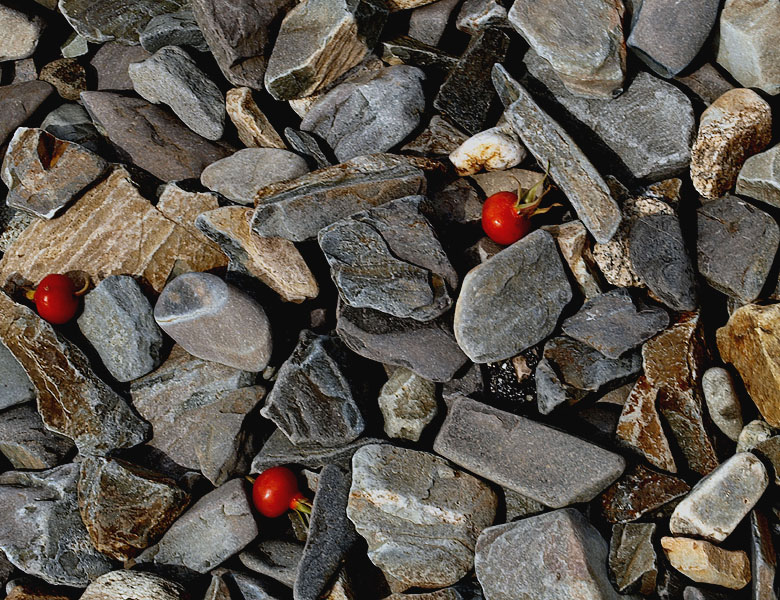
[(640, 491), (40, 591), (67, 76)]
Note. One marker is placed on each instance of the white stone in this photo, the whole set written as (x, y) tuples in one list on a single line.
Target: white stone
[(408, 404), (752, 435), (493, 150), (19, 34), (722, 401)]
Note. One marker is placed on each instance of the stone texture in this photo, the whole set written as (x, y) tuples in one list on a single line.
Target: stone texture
[(254, 128), (298, 209), (769, 451), (493, 150), (408, 404), (439, 138), (111, 63), (722, 401), (277, 559), (575, 247), (21, 33), (640, 492), (71, 399), (733, 128), (35, 589), (557, 554), (752, 435), (759, 177), (633, 564), (173, 29), (307, 146), (15, 385), (126, 508), (420, 517), (72, 123), (171, 77), (151, 137), (67, 76), (405, 50), (250, 588), (42, 533), (507, 449), (428, 23), (27, 444), (18, 102), (751, 342), (586, 49), (513, 300), (705, 563), (706, 82), (477, 14), (121, 21), (133, 585), (763, 558)]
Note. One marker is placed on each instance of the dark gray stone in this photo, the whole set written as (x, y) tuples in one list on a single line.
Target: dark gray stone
[(438, 139), (72, 123), (111, 63), (173, 29), (15, 385), (277, 559), (428, 23), (478, 14), (759, 177), (763, 557), (26, 443), (250, 588), (123, 20), (736, 245), (308, 146), (659, 258), (18, 102), (633, 564), (706, 82), (405, 50)]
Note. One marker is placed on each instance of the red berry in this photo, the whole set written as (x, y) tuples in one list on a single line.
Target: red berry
[(275, 491), (55, 299), (501, 220)]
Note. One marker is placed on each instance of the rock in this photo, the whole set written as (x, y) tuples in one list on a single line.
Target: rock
[(43, 534), (419, 516), (632, 562), (457, 202), (13, 222), (133, 585), (769, 451), (752, 435), (405, 50), (574, 245), (153, 139), (71, 122), (668, 38), (705, 563), (320, 41), (173, 29), (555, 554), (71, 399), (611, 323), (34, 589), (763, 558), (427, 23), (24, 70), (357, 116), (111, 63), (748, 43), (493, 150), (18, 102), (254, 128), (103, 21), (506, 450), (250, 588), (733, 128), (308, 147), (277, 559), (521, 291), (706, 82), (171, 77), (759, 177), (67, 76), (722, 401), (126, 508), (15, 385), (408, 404), (85, 238), (660, 260), (20, 34), (478, 14), (586, 49), (466, 94), (693, 593), (27, 444), (641, 491), (440, 138), (568, 166), (240, 176), (298, 209), (751, 342), (736, 245)]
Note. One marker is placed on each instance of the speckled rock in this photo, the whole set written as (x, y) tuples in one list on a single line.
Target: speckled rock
[(21, 33), (706, 563), (123, 21), (133, 585), (641, 492), (722, 401), (408, 404), (254, 128), (633, 564), (27, 444), (575, 246), (759, 177), (67, 75), (752, 435)]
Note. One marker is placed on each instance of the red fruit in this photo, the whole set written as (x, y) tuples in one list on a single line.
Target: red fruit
[(55, 299), (501, 221), (275, 491)]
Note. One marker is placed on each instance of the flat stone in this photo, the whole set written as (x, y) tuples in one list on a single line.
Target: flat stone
[(67, 75), (660, 260), (769, 451), (104, 21), (763, 558), (557, 554), (71, 122), (133, 585), (506, 449), (493, 150), (27, 444), (298, 209), (71, 399), (706, 563), (215, 528), (111, 63), (752, 435), (521, 291), (18, 102), (85, 238), (641, 492), (733, 128), (428, 23), (198, 410), (151, 137), (173, 29), (408, 404), (277, 559), (42, 533), (706, 82), (478, 14), (35, 589), (241, 176), (613, 325), (320, 41), (575, 247), (459, 202), (751, 342), (586, 49), (126, 508), (253, 127), (722, 401), (13, 222), (309, 147), (21, 33), (633, 564), (419, 516), (405, 50), (759, 177), (438, 139), (15, 386), (748, 43), (568, 166), (250, 588)]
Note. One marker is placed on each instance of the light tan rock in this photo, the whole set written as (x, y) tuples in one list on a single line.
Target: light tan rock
[(20, 34), (396, 5), (254, 128), (706, 563), (133, 585), (574, 244)]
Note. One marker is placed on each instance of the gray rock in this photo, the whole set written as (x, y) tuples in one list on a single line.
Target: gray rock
[(427, 23), (18, 102), (133, 585), (719, 501), (311, 401), (660, 260), (240, 176), (173, 29), (633, 564), (547, 465), (586, 48), (42, 533), (371, 113), (250, 588), (419, 516), (405, 50), (72, 123), (763, 558), (759, 177), (519, 506), (308, 146), (693, 593), (298, 209), (277, 559), (722, 401), (111, 63), (21, 33), (122, 21), (555, 555), (706, 82), (408, 404), (513, 300), (611, 323), (568, 166), (769, 451), (438, 139), (477, 14), (171, 77), (215, 528), (26, 443), (117, 320), (15, 385), (752, 435), (207, 317), (7, 569), (736, 246)]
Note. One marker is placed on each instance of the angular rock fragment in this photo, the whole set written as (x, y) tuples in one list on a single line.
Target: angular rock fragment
[(633, 564), (15, 385), (72, 123), (308, 146), (763, 558), (478, 14), (439, 138), (254, 128), (706, 563), (574, 244), (173, 29), (641, 491), (769, 451), (67, 76), (406, 50), (759, 177), (752, 435), (427, 23), (111, 63), (277, 559), (722, 401), (103, 21), (26, 443), (493, 150), (408, 404), (133, 585), (706, 82), (34, 589), (18, 102), (21, 33)]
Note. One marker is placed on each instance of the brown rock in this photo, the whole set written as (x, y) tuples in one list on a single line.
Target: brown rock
[(87, 238), (640, 491), (67, 76), (254, 128), (111, 64), (574, 244), (706, 563), (39, 591), (18, 102), (733, 128), (751, 342)]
